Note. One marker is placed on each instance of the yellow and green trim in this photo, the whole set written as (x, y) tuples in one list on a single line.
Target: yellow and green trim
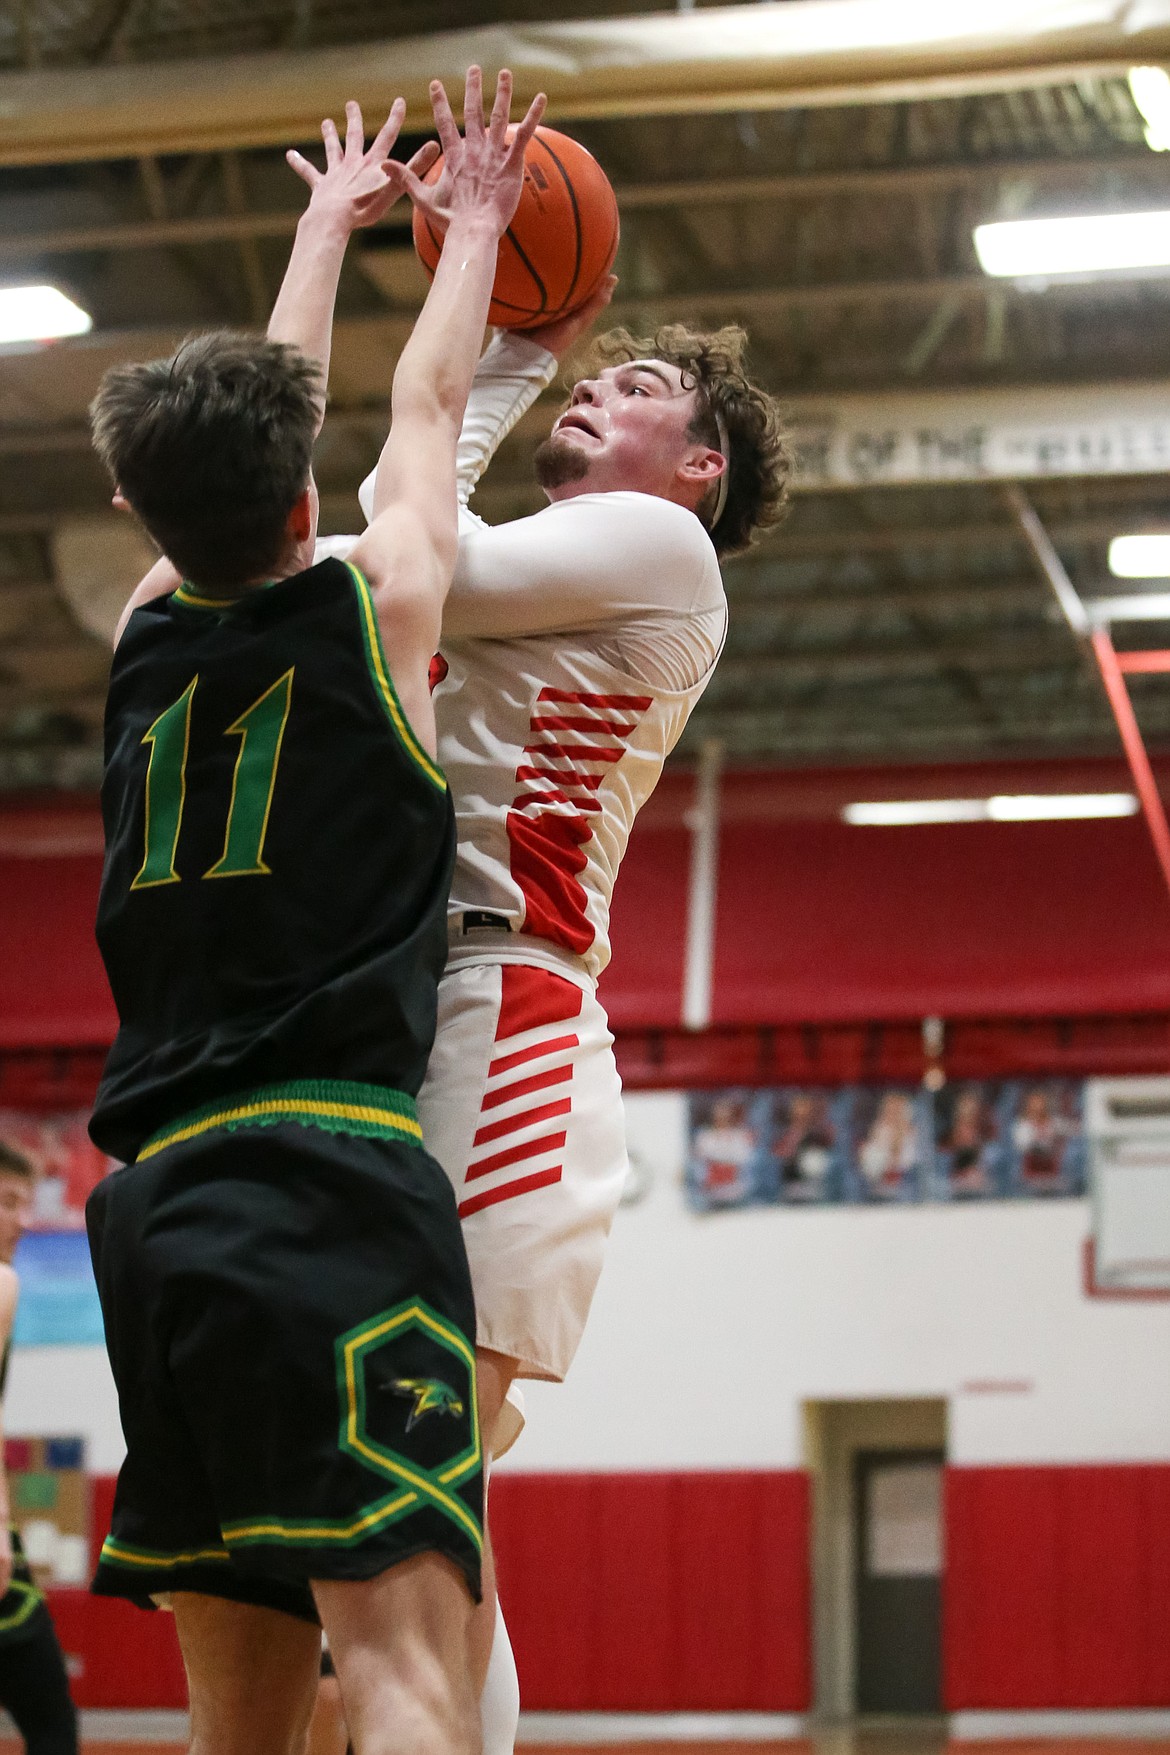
[(336, 1106), (380, 671), (119, 1553), (28, 1601), (189, 598)]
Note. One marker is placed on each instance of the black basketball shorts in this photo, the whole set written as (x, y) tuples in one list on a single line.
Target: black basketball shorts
[(291, 1327)]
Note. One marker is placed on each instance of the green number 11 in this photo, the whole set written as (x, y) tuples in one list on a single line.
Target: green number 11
[(261, 733)]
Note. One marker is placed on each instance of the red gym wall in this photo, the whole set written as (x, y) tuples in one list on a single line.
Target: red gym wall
[(1045, 946), (690, 1592)]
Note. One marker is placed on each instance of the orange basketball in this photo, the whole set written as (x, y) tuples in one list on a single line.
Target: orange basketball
[(562, 239)]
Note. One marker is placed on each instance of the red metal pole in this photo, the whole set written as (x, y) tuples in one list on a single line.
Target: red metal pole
[(1135, 749)]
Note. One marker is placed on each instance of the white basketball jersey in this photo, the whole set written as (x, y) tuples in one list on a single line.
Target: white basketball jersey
[(576, 643)]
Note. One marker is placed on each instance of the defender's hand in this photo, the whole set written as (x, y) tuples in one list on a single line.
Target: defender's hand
[(359, 186), (483, 172)]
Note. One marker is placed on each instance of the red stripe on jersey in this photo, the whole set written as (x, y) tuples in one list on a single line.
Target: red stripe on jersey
[(496, 1130), (624, 703), (538, 1051), (564, 777), (607, 727), (546, 863), (532, 999), (574, 752), (557, 1075), (507, 1190), (550, 1142)]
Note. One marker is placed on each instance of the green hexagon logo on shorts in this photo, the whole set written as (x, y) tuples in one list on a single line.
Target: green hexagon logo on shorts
[(392, 1373)]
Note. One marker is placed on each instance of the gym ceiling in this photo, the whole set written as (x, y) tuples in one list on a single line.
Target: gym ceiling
[(822, 191)]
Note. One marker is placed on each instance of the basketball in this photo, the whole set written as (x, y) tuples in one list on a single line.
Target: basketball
[(562, 239)]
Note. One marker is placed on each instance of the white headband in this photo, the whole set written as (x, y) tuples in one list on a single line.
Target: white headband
[(725, 478)]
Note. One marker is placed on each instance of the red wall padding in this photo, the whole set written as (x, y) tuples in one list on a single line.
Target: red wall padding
[(53, 991), (1057, 1587), (656, 1592), (824, 921), (118, 1656)]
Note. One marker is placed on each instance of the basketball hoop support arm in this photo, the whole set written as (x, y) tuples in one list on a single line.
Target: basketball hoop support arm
[(1110, 666)]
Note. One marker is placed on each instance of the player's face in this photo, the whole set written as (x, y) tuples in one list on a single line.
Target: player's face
[(626, 429), (15, 1212)]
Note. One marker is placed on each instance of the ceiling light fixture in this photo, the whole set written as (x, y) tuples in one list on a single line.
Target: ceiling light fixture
[(1003, 808), (1149, 606), (1090, 243), (1145, 556), (39, 313), (1150, 90)]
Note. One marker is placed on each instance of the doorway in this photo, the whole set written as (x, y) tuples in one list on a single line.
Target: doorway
[(898, 1522), (877, 1542)]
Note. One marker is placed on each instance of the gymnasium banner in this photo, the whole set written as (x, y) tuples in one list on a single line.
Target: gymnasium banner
[(872, 1144), (58, 1298)]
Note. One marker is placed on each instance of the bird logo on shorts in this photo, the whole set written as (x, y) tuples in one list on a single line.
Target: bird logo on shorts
[(430, 1396)]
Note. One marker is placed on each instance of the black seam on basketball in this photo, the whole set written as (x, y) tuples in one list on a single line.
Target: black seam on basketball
[(436, 240), (576, 221), (541, 288)]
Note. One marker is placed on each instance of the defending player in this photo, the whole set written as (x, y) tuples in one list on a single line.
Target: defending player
[(576, 643), (285, 1291)]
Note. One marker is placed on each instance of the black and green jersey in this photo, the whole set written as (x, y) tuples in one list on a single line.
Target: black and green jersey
[(279, 850)]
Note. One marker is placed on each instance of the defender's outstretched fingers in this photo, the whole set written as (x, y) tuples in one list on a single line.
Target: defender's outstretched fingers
[(527, 128), (473, 126), (355, 132), (388, 133), (424, 158), (307, 172), (501, 109), (449, 137), (332, 143)]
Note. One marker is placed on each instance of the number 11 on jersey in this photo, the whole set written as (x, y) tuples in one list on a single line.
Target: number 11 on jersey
[(261, 731)]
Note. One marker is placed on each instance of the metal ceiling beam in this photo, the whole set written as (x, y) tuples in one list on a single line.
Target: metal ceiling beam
[(705, 60), (908, 181), (852, 665)]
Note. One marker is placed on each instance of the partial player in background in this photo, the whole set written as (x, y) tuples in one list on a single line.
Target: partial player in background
[(33, 1685), (287, 1304), (576, 643)]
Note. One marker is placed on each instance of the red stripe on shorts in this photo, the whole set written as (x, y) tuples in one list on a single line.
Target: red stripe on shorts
[(556, 1075), (490, 1196), (549, 1142), (513, 1123), (537, 1052)]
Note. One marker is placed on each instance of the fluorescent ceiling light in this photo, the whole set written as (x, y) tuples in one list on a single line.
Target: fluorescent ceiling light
[(1140, 557), (1091, 243), (1004, 808), (1151, 606), (1150, 89), (39, 313)]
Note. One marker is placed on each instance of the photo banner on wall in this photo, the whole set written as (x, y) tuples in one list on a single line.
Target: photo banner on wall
[(881, 1144), (58, 1304)]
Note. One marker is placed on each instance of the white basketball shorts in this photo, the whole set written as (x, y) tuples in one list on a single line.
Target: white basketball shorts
[(522, 1107)]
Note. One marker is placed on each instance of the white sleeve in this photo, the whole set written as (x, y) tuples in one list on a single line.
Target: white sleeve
[(509, 377), (578, 563)]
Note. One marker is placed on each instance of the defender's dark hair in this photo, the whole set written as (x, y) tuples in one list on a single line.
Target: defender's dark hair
[(761, 460), (212, 449), (14, 1163)]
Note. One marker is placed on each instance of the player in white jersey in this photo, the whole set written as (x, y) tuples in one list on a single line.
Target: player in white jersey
[(575, 644)]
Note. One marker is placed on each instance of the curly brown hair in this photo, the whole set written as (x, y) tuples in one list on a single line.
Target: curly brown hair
[(761, 461)]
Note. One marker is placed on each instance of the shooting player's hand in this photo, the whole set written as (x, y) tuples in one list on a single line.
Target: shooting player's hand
[(483, 171), (360, 185)]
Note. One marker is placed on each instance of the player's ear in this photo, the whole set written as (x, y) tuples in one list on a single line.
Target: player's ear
[(300, 519), (702, 467)]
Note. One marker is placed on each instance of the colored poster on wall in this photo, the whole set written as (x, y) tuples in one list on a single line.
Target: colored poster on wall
[(58, 1299), (885, 1144), (50, 1496)]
